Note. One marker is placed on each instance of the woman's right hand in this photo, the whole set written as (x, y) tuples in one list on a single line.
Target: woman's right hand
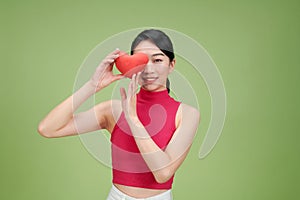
[(103, 75)]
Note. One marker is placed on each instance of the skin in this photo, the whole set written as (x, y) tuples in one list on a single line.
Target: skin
[(62, 121)]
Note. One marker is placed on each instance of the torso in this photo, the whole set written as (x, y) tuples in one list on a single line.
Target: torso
[(136, 192)]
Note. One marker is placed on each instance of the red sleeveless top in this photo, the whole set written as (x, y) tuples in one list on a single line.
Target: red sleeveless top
[(157, 112)]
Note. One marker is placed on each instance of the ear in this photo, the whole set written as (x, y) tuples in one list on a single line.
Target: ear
[(172, 65)]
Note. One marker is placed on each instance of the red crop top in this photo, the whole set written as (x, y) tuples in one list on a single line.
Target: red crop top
[(157, 112)]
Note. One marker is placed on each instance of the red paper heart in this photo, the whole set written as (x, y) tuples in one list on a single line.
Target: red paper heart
[(131, 64)]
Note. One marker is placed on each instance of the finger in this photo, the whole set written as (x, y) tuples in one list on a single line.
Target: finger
[(139, 75), (116, 51), (123, 94), (113, 56), (135, 84), (133, 80), (129, 91), (108, 61), (137, 81), (123, 98), (109, 68), (132, 85)]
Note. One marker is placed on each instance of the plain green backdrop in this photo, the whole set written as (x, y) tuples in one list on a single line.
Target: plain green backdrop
[(255, 45)]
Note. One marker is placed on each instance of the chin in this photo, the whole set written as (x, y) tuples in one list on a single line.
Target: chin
[(154, 88)]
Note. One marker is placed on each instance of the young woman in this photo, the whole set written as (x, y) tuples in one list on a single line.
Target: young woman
[(151, 133)]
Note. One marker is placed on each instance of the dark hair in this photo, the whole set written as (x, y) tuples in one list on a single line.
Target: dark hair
[(160, 39)]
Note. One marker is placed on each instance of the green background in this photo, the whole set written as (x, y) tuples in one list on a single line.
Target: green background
[(255, 45)]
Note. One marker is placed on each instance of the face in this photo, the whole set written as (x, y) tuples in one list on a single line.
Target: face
[(154, 76)]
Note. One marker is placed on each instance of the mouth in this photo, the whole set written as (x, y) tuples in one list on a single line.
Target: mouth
[(149, 80)]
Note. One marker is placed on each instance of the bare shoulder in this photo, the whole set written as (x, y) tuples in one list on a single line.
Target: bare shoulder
[(187, 113), (187, 119), (187, 109)]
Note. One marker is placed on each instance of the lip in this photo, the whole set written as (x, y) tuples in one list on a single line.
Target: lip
[(149, 79)]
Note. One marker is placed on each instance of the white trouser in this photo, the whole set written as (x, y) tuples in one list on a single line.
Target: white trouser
[(116, 194)]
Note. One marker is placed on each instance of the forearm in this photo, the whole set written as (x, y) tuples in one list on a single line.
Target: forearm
[(63, 113), (156, 159)]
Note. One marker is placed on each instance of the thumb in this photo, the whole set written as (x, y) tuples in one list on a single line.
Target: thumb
[(117, 77)]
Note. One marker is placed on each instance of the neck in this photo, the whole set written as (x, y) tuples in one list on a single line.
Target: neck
[(148, 95)]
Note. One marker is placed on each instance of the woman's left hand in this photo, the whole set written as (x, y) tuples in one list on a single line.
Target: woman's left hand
[(129, 99)]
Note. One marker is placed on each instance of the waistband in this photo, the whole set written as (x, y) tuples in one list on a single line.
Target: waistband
[(116, 194)]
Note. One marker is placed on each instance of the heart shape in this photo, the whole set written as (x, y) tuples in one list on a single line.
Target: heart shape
[(131, 64)]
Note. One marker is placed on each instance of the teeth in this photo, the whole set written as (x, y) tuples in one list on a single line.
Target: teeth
[(150, 79)]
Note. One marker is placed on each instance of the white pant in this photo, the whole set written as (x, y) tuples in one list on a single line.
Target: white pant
[(116, 194)]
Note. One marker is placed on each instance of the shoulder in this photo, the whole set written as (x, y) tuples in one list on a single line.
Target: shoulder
[(187, 113), (186, 129)]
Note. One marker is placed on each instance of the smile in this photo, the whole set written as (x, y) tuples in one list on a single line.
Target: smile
[(149, 79)]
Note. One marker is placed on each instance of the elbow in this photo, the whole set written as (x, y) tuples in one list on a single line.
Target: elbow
[(163, 175), (42, 130)]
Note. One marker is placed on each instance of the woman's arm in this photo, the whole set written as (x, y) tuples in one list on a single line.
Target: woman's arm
[(61, 121), (163, 164)]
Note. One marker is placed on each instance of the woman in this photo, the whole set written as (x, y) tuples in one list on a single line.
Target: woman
[(151, 133)]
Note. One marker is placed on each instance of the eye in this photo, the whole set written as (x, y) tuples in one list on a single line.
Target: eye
[(157, 60)]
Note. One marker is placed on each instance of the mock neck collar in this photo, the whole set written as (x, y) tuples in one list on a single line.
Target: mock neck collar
[(153, 96)]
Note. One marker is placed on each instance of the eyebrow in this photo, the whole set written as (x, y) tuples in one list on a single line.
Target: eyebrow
[(157, 54)]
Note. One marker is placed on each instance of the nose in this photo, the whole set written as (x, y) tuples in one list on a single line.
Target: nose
[(149, 67)]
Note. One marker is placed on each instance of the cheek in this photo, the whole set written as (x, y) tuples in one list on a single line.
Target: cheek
[(162, 70), (162, 67), (165, 69)]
